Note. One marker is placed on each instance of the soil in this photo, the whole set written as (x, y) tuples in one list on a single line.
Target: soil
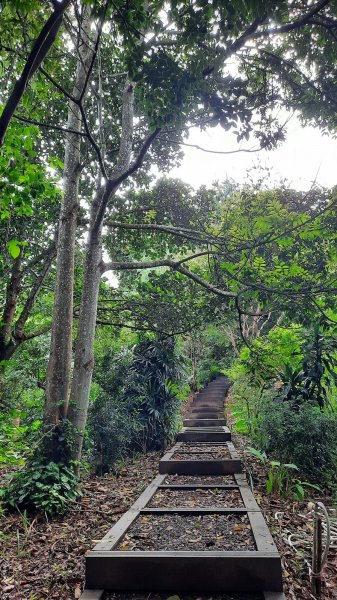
[(199, 479), (45, 560), (174, 531), (181, 596), (202, 498), (200, 456), (206, 452)]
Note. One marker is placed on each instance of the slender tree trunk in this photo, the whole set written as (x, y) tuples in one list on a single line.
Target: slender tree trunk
[(59, 367), (7, 345), (84, 356), (12, 292)]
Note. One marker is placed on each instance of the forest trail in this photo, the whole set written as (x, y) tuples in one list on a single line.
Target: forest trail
[(196, 527)]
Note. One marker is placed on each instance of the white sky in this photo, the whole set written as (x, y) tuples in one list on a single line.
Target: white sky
[(304, 157)]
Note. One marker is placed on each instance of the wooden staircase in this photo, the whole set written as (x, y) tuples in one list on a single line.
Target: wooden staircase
[(203, 458)]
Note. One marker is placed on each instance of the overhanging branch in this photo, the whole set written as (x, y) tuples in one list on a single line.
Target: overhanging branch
[(174, 265), (40, 49)]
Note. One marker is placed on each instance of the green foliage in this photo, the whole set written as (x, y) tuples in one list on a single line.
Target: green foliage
[(151, 387), (283, 386), (113, 425), (48, 488), (312, 380), (24, 179), (138, 405), (302, 435), (280, 478), (18, 435)]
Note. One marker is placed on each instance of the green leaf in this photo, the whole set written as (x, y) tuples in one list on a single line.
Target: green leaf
[(257, 453), (13, 247)]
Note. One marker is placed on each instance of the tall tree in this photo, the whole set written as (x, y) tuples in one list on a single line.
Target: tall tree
[(58, 377)]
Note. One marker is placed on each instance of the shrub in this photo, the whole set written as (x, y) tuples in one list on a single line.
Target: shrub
[(302, 435), (138, 405), (113, 429), (48, 488), (152, 389)]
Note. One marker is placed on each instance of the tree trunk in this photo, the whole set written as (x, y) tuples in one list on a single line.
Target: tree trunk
[(7, 345), (59, 366), (12, 292), (84, 356)]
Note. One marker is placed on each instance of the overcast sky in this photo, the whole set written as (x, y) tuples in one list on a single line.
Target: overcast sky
[(305, 156)]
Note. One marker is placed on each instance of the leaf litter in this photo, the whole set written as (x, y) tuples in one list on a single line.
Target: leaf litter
[(46, 559), (173, 531), (199, 498)]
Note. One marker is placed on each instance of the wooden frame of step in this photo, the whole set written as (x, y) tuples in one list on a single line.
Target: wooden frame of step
[(210, 571), (216, 466), (203, 434), (203, 422), (206, 409)]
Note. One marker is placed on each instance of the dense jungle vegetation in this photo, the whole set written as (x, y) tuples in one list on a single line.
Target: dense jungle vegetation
[(124, 290)]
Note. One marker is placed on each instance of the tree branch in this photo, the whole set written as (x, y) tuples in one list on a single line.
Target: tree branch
[(29, 336), (113, 184), (175, 266), (27, 309), (247, 150), (172, 230), (296, 24), (40, 49), (48, 126)]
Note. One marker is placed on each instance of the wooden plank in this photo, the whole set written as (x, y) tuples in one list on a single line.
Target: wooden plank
[(195, 486), (190, 571), (233, 451), (117, 531), (211, 429), (91, 594), (246, 493), (203, 422), (199, 511), (187, 452), (206, 409), (203, 436), (200, 467), (195, 414), (263, 539), (208, 405)]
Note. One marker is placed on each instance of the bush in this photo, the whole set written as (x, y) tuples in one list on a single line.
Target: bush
[(152, 389), (113, 429), (47, 488), (112, 423), (138, 405), (305, 436)]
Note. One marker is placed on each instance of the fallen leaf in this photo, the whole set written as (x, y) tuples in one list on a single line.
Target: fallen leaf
[(240, 527), (124, 547), (77, 592)]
